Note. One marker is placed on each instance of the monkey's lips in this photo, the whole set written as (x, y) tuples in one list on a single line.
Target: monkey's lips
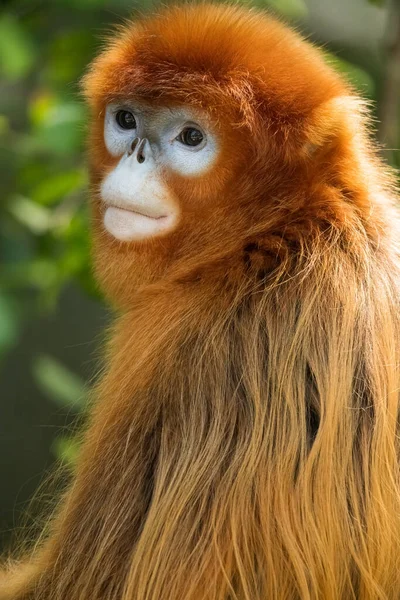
[(133, 224)]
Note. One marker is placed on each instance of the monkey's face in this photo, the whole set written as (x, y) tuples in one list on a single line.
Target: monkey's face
[(205, 130), (162, 178), (152, 146)]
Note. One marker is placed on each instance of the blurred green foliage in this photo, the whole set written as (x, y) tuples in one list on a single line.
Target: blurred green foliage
[(45, 46)]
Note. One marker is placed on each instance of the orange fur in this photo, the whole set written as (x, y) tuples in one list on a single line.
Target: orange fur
[(244, 443)]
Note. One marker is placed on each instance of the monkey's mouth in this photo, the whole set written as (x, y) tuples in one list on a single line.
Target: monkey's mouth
[(134, 223), (141, 212)]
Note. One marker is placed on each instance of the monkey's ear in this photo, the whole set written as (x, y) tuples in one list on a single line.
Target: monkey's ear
[(343, 118)]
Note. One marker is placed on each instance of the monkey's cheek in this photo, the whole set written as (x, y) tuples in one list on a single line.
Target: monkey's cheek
[(129, 226)]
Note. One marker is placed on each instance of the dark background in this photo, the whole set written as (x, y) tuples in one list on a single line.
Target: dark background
[(51, 315)]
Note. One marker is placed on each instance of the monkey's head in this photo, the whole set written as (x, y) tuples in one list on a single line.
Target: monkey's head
[(206, 126)]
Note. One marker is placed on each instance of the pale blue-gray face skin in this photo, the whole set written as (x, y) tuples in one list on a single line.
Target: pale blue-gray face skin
[(150, 142)]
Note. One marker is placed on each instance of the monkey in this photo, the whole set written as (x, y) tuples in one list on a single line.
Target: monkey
[(243, 441)]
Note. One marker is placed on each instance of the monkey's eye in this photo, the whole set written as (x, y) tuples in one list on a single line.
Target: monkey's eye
[(190, 136), (125, 119)]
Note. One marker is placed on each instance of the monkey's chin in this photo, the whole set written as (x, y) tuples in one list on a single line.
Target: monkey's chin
[(131, 226)]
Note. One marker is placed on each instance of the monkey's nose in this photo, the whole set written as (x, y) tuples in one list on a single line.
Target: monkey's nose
[(137, 147)]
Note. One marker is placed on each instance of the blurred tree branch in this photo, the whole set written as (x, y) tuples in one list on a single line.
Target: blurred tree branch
[(389, 111)]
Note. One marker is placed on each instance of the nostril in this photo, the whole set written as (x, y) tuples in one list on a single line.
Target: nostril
[(140, 151), (133, 146)]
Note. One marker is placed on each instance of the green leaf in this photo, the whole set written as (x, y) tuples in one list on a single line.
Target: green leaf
[(36, 218), (69, 54), (292, 9), (54, 187), (59, 383), (39, 272), (66, 449), (57, 124), (4, 125), (17, 53), (8, 323)]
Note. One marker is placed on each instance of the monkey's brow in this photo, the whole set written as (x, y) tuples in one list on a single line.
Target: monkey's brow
[(146, 112), (138, 108), (151, 110)]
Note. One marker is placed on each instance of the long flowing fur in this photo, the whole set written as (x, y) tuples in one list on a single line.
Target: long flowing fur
[(244, 441)]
